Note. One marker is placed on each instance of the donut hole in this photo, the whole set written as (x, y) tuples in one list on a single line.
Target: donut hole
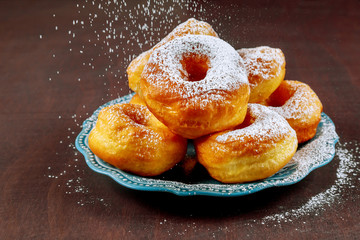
[(195, 67), (247, 122), (279, 97)]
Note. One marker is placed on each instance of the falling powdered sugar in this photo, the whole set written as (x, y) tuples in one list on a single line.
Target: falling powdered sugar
[(189, 27)]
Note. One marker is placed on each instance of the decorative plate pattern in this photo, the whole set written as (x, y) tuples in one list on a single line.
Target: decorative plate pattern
[(309, 156)]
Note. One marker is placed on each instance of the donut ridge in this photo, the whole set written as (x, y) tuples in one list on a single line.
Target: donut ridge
[(254, 150), (129, 137)]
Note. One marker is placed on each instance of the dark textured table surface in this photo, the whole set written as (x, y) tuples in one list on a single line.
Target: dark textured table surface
[(61, 60)]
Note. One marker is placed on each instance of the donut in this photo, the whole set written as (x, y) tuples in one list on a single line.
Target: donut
[(196, 85), (191, 26), (130, 138), (299, 105), (254, 150), (265, 68)]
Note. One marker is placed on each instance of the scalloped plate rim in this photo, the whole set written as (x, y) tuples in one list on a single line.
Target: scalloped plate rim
[(183, 189)]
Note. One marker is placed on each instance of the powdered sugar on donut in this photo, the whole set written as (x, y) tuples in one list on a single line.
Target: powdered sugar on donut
[(268, 125), (226, 70), (119, 117), (263, 62), (300, 105), (131, 115)]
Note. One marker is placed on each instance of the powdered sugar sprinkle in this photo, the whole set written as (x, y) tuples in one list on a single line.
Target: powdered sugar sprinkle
[(225, 71), (262, 62), (346, 179), (268, 124)]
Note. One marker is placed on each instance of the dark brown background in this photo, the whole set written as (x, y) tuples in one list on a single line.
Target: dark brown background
[(49, 87)]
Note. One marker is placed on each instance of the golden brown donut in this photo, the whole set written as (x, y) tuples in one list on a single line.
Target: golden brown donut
[(265, 68), (299, 105), (196, 85), (129, 137), (256, 149), (191, 26)]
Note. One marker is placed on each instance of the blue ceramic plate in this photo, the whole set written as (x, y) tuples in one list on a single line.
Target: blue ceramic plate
[(309, 156)]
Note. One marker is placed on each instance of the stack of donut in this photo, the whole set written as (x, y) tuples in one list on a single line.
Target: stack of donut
[(244, 120)]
